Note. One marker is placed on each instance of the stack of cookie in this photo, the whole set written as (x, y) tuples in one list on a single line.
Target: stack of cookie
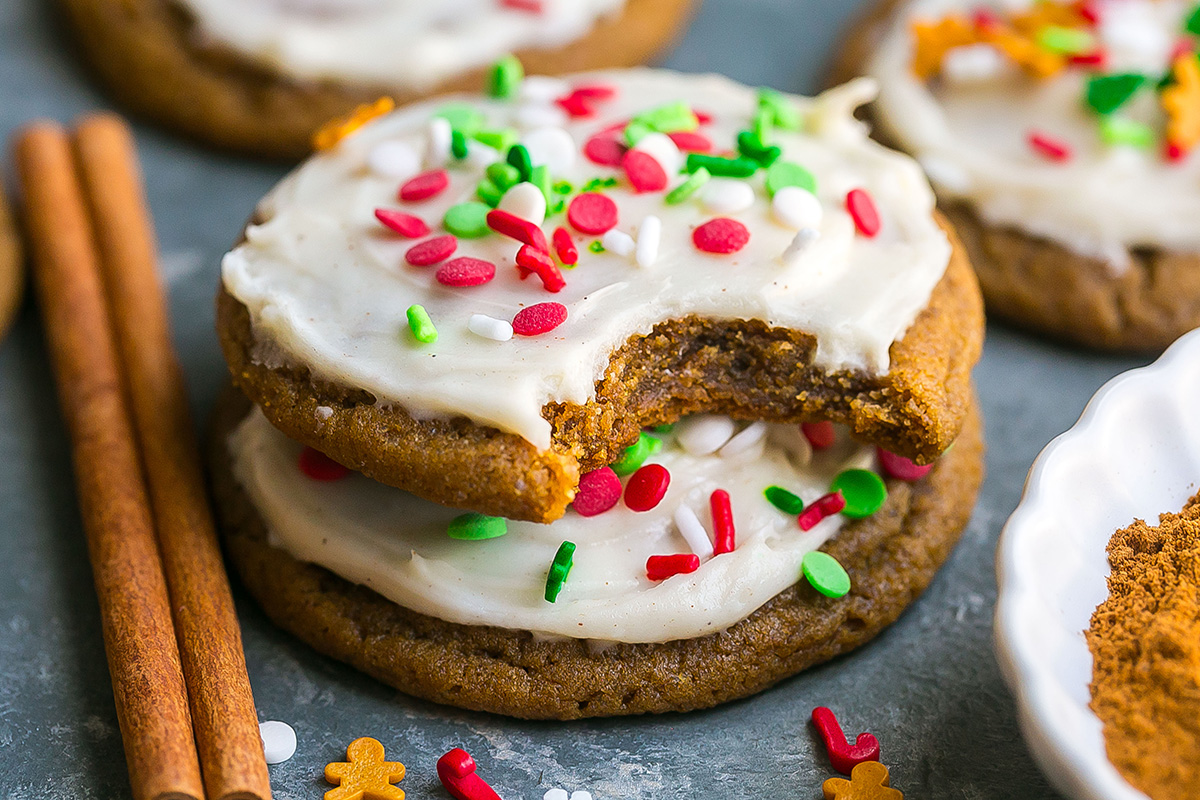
[(640, 403)]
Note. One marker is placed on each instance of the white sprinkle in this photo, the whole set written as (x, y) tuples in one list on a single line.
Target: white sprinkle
[(617, 242), (279, 741), (792, 440), (800, 243), (324, 412), (480, 155), (542, 88), (526, 201), (552, 147), (797, 208), (973, 63), (692, 529), (702, 434), (393, 160), (660, 147), (490, 328), (541, 116), (649, 235), (946, 175), (727, 196), (745, 442), (581, 795), (437, 146), (555, 794)]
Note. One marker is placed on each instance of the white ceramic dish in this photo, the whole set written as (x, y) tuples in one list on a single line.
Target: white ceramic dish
[(1134, 453)]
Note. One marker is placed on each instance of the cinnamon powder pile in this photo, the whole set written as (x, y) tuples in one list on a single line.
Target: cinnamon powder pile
[(1145, 642)]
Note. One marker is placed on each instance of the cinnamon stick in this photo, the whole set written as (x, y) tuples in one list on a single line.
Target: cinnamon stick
[(139, 639), (12, 268), (206, 625)]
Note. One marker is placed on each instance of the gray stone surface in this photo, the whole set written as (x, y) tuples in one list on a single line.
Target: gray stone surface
[(929, 687)]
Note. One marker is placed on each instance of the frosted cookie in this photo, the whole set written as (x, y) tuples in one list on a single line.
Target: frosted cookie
[(262, 76), (1059, 138), (486, 358)]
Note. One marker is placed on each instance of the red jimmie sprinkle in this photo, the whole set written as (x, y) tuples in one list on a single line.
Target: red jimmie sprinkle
[(901, 468), (721, 235), (604, 150), (985, 19), (539, 318), (1096, 58), (466, 272), (532, 6), (531, 261), (724, 536), (576, 105), (508, 224), (644, 171), (431, 251), (1089, 10), (843, 756), (1183, 46), (703, 117), (320, 467), (863, 212), (595, 91), (458, 773), (425, 186), (691, 141), (1174, 152), (593, 213), (821, 508), (1049, 147), (599, 490), (819, 434), (564, 247), (646, 487), (659, 568), (406, 225)]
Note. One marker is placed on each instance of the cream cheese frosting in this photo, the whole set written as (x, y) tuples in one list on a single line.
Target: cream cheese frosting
[(396, 544), (328, 287), (409, 44), (970, 131)]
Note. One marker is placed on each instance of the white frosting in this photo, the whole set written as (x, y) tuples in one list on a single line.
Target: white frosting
[(410, 44), (396, 544), (971, 135), (327, 286)]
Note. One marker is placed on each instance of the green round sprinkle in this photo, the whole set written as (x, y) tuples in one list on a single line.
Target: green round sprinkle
[(785, 173), (489, 192), (505, 176), (421, 325), (635, 131), (518, 157), (505, 77), (783, 114), (458, 144), (635, 455), (476, 527), (1068, 41), (784, 500), (689, 187), (1120, 130), (863, 490), (724, 167), (500, 140), (1106, 93), (825, 574), (596, 247), (467, 220), (463, 118), (560, 568)]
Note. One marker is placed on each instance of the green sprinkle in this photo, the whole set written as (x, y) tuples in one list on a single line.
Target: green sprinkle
[(421, 324), (1067, 41), (1192, 25), (784, 500), (463, 118), (489, 192), (476, 527), (540, 177), (1120, 130), (669, 118), (764, 125), (560, 568), (599, 183), (505, 78), (666, 427), (562, 187), (863, 490), (500, 140), (636, 131), (1106, 93), (724, 167), (786, 173), (783, 114), (518, 157), (467, 220), (505, 176), (458, 144), (689, 187), (557, 208), (752, 147), (635, 455), (596, 247), (825, 574)]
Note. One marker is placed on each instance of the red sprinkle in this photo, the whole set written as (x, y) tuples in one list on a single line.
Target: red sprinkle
[(646, 487), (575, 105), (721, 235), (863, 212), (431, 251), (458, 773), (599, 490), (539, 318), (1089, 10), (724, 540), (1049, 147), (1096, 58), (659, 568), (1183, 47), (564, 246), (703, 117), (595, 91), (985, 19), (821, 508), (406, 225), (604, 150), (320, 467), (592, 213), (531, 261), (901, 468), (1174, 151), (644, 171), (691, 141), (843, 756), (819, 434), (466, 272), (532, 6), (508, 224), (425, 186)]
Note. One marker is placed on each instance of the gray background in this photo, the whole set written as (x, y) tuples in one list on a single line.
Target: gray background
[(929, 687)]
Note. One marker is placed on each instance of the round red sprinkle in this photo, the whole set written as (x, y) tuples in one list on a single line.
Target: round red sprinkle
[(691, 141), (599, 490), (320, 467), (425, 185), (901, 468), (863, 212), (593, 213), (431, 251), (644, 171), (604, 150), (659, 568), (1049, 147), (406, 225), (539, 318), (646, 487), (819, 434), (564, 247), (721, 235), (466, 272)]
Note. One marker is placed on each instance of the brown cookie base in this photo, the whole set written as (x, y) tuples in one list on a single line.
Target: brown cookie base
[(891, 557), (12, 267), (147, 54)]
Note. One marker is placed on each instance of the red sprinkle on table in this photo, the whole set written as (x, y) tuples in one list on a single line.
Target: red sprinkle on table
[(431, 251), (407, 225), (722, 516), (863, 212), (901, 468), (659, 568), (646, 487), (843, 756), (1049, 147), (564, 247), (599, 490), (644, 172), (691, 141), (821, 508), (604, 150), (466, 272), (320, 467), (424, 186), (508, 224), (819, 434), (457, 772), (539, 318), (721, 235), (531, 261), (592, 213)]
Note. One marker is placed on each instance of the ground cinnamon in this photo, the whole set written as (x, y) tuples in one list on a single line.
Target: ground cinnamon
[(1145, 642)]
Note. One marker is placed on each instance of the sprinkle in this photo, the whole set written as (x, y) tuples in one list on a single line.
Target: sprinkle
[(504, 79), (783, 114), (406, 225), (458, 145), (785, 173), (279, 741), (659, 568), (745, 441), (1106, 93), (1068, 41), (689, 187), (693, 531), (618, 242), (531, 261), (863, 212), (332, 132), (489, 193), (646, 487), (1181, 102), (691, 141), (560, 568), (599, 490), (797, 208), (465, 271), (1049, 147), (660, 147), (635, 455), (863, 490), (932, 40), (702, 434), (424, 186), (503, 175), (605, 151), (518, 157), (431, 251), (531, 6), (868, 781), (476, 527), (467, 220), (649, 235), (785, 501), (539, 318), (525, 201), (457, 772), (724, 534), (973, 63), (727, 196), (1121, 130), (564, 247), (819, 434), (635, 131), (596, 247), (723, 167), (481, 156), (819, 509), (763, 126), (901, 468), (825, 574), (551, 147), (393, 160), (464, 118), (320, 467), (843, 756), (514, 227), (498, 330), (439, 143), (644, 172), (421, 325), (575, 105), (676, 116), (501, 139), (592, 213), (540, 180), (751, 147), (721, 236), (365, 774)]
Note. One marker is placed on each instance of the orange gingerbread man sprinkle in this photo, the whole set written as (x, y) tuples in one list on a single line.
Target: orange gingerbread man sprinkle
[(1181, 101), (366, 776), (868, 781), (1035, 60), (332, 132), (932, 40)]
